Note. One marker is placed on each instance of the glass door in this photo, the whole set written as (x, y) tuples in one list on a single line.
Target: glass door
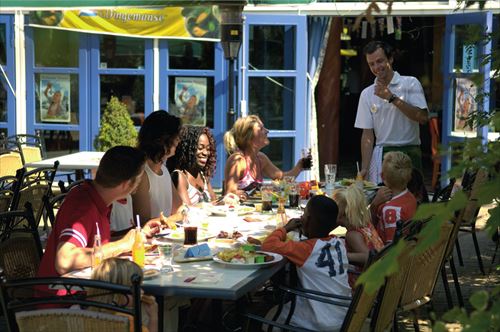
[(7, 76)]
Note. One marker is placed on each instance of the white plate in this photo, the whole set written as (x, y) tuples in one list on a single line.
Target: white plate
[(178, 235), (277, 258), (222, 211), (151, 273)]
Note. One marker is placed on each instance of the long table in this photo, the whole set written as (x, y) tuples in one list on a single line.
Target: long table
[(78, 161)]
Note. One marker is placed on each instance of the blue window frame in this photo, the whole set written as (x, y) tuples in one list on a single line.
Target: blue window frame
[(274, 79), (215, 74), (7, 61)]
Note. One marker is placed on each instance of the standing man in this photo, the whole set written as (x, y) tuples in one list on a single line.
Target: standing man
[(389, 112)]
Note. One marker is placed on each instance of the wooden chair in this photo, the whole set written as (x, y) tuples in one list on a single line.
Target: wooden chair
[(381, 302), (20, 246), (32, 186), (93, 314), (7, 186)]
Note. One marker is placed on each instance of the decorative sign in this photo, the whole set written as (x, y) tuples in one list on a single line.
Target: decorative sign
[(469, 56), (55, 98), (465, 104), (191, 100)]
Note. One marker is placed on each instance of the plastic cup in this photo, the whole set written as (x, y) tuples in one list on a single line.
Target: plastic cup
[(190, 235), (166, 252), (330, 174)]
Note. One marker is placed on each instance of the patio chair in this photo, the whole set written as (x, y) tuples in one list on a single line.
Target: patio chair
[(382, 302), (444, 194), (20, 246), (7, 184), (52, 204), (10, 162), (32, 186), (32, 147), (93, 314)]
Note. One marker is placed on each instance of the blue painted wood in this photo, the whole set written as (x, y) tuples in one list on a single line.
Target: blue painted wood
[(9, 68), (485, 20)]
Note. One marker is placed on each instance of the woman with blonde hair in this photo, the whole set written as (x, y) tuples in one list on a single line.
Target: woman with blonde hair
[(247, 166), (361, 236), (120, 271)]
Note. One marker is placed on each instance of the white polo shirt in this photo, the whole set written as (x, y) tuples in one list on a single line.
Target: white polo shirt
[(390, 125)]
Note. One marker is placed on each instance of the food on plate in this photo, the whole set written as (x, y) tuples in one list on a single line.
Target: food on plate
[(150, 273), (225, 235), (348, 182), (253, 240), (241, 256)]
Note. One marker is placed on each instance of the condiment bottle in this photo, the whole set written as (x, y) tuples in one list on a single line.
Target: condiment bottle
[(138, 251)]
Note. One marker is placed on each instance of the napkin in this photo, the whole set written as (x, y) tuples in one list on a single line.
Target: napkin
[(202, 278), (200, 250)]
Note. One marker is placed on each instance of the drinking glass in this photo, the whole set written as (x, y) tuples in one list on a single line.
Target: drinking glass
[(293, 196), (190, 235), (166, 252), (267, 197), (330, 174), (306, 159)]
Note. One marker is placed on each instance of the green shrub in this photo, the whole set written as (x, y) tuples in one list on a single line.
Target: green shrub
[(116, 127)]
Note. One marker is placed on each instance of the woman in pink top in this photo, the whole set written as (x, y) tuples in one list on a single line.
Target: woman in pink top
[(247, 165)]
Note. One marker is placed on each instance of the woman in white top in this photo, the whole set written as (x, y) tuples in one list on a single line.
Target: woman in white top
[(158, 138), (194, 164)]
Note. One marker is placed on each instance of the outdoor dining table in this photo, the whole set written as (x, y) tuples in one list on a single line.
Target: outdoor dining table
[(79, 161)]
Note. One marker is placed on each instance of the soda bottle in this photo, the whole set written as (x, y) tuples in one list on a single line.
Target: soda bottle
[(97, 254), (138, 251)]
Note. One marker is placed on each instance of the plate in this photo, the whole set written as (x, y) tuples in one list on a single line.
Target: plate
[(178, 235), (151, 273), (240, 210), (277, 258)]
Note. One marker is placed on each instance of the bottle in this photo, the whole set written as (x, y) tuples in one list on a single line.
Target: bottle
[(97, 254), (138, 251)]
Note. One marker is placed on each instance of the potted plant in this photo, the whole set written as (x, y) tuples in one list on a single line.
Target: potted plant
[(116, 127)]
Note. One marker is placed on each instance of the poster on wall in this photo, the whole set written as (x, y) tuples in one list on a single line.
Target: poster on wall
[(55, 98), (190, 100), (465, 104)]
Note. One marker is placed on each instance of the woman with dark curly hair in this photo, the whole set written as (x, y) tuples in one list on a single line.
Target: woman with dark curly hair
[(158, 138), (194, 164)]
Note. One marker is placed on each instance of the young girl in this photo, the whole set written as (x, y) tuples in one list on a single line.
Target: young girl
[(361, 236), (119, 271)]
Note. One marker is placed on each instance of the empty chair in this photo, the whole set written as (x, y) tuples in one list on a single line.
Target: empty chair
[(444, 194), (20, 246), (10, 162), (32, 147), (92, 314), (7, 187)]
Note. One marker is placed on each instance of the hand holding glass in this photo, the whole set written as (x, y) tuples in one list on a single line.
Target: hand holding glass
[(306, 159)]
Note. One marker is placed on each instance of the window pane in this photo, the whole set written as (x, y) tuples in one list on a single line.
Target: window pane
[(272, 47), (270, 98), (280, 151), (192, 99), (56, 48), (190, 55), (61, 142), (3, 44), (57, 98), (467, 47), (121, 52), (129, 89), (3, 102)]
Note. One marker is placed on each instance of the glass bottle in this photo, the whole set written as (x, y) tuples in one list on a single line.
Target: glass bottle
[(97, 254), (138, 251)]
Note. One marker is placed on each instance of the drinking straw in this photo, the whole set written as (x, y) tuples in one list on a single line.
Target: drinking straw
[(138, 219), (98, 231), (357, 166)]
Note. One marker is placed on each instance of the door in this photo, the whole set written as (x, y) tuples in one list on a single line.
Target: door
[(7, 76), (462, 66)]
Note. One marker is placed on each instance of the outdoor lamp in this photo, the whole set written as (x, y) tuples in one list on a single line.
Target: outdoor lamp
[(231, 26)]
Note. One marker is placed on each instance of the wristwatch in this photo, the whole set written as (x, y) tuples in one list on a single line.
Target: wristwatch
[(392, 98)]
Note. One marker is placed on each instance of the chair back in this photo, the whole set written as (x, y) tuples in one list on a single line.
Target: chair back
[(471, 210), (70, 320), (52, 206), (20, 246), (390, 294), (7, 186), (10, 162), (444, 194), (425, 267), (85, 293), (32, 186), (32, 147)]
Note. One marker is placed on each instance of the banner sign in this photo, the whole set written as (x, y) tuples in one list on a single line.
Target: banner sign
[(200, 23)]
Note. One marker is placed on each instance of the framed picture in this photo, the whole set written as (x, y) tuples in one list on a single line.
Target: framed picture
[(190, 100), (55, 98), (465, 104)]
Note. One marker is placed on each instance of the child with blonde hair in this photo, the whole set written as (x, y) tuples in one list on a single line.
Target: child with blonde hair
[(394, 202), (361, 236), (119, 271)]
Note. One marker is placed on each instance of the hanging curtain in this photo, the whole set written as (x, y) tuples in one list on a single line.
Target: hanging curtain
[(318, 30)]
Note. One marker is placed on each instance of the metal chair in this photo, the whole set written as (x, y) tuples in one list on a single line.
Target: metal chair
[(94, 313), (32, 186), (32, 147), (7, 186), (10, 161), (20, 246), (444, 194)]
